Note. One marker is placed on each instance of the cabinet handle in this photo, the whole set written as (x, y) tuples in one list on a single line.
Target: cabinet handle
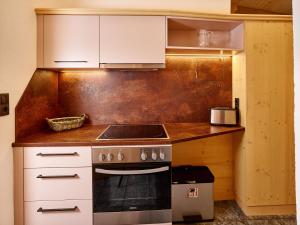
[(58, 209), (191, 182), (57, 154), (70, 61), (57, 176)]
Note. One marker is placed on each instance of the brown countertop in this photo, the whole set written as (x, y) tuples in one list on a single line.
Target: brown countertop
[(86, 136)]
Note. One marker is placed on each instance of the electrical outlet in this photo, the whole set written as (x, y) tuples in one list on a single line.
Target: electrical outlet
[(4, 104), (237, 107), (236, 103)]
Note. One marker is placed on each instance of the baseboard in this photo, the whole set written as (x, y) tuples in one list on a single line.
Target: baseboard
[(267, 210)]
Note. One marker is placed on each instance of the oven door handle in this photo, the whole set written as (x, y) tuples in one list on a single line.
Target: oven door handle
[(132, 172)]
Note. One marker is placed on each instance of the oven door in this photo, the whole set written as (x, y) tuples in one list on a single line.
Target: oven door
[(132, 193)]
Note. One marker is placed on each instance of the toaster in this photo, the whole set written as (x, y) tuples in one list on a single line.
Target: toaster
[(224, 116)]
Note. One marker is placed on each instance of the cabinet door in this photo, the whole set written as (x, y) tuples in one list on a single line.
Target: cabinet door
[(265, 154), (132, 39), (269, 113), (71, 41)]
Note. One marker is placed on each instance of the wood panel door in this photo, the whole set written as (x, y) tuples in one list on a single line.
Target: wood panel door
[(70, 41), (132, 39), (270, 106), (263, 80)]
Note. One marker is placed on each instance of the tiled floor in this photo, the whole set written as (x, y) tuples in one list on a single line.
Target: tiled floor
[(228, 213)]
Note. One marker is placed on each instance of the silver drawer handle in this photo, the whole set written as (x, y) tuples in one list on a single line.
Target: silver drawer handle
[(132, 172), (191, 182), (57, 154), (58, 209), (188, 182), (57, 176), (70, 61)]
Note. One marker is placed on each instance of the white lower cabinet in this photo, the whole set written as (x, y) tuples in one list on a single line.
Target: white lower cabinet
[(57, 184), (53, 186), (71, 212)]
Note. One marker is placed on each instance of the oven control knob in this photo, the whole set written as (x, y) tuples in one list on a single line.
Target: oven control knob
[(110, 157), (162, 155), (154, 155), (144, 156), (120, 156), (101, 157)]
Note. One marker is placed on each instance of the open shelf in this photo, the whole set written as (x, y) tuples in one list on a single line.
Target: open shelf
[(183, 34)]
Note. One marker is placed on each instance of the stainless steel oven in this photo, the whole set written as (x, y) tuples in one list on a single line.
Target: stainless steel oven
[(132, 185)]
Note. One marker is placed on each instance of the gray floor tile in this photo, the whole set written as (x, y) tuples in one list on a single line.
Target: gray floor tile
[(265, 222), (229, 213)]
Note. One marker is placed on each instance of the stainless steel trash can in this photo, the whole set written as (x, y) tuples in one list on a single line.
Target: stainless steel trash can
[(192, 194)]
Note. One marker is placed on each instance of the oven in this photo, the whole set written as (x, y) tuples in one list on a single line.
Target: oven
[(132, 185)]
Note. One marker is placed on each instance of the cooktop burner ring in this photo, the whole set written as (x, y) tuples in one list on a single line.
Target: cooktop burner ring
[(134, 132)]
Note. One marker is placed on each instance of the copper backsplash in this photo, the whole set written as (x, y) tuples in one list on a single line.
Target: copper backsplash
[(183, 92), (39, 101)]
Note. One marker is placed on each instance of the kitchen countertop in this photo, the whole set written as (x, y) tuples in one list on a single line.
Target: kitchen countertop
[(86, 136)]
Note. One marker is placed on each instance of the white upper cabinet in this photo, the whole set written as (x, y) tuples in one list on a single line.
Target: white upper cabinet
[(68, 41), (132, 39)]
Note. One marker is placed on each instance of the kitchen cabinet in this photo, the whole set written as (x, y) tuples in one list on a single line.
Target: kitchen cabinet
[(264, 154), (53, 178), (255, 168), (200, 35), (68, 41), (132, 39)]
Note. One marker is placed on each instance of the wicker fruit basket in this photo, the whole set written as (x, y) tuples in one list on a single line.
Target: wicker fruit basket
[(66, 123)]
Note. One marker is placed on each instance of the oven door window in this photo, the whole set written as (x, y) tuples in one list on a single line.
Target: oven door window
[(132, 187)]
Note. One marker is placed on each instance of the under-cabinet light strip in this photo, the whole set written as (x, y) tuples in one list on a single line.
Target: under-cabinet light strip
[(199, 55)]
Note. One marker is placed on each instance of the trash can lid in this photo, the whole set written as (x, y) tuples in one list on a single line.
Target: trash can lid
[(191, 174)]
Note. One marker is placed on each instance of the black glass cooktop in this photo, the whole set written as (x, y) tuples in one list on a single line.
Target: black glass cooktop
[(134, 132)]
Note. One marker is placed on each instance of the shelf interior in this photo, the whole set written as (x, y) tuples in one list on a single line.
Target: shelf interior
[(183, 33)]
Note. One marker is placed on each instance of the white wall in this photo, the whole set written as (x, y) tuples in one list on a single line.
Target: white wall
[(18, 57), (296, 12), (17, 64)]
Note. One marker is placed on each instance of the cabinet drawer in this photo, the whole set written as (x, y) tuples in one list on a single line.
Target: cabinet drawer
[(68, 212), (57, 184), (57, 157)]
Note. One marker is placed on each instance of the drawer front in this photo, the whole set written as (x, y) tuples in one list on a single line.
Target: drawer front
[(68, 212), (57, 184), (36, 157)]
